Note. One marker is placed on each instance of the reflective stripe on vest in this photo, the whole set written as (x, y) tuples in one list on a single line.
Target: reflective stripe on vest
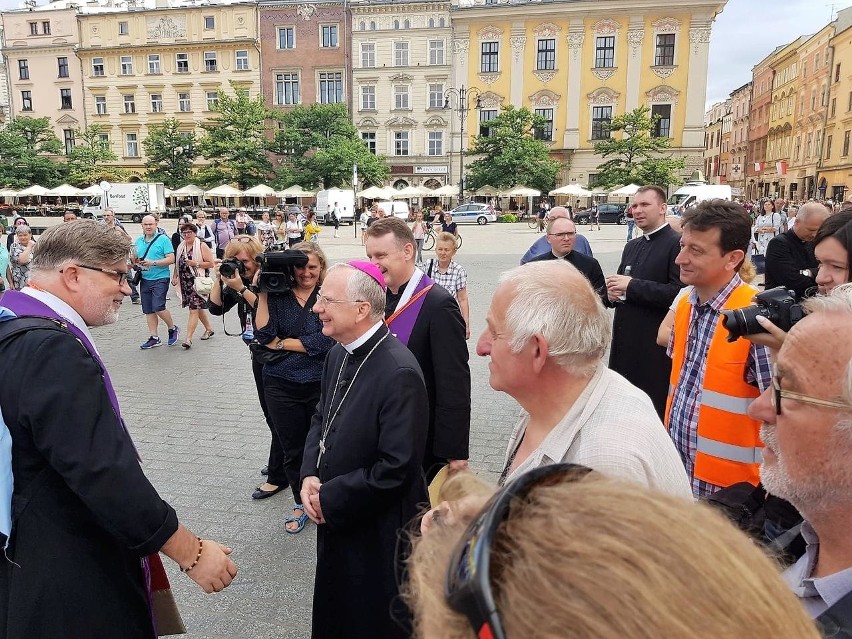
[(727, 403), (740, 454)]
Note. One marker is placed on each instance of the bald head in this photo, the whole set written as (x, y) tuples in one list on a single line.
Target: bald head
[(808, 220), (559, 211)]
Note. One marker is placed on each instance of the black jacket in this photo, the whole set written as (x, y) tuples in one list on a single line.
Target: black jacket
[(786, 256), (588, 266)]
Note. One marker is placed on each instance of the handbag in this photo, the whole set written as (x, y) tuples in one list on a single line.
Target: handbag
[(137, 270), (265, 355), (202, 284)]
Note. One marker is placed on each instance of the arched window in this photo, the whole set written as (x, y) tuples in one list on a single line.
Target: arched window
[(431, 23), (372, 25), (442, 22), (362, 26), (407, 24), (396, 24)]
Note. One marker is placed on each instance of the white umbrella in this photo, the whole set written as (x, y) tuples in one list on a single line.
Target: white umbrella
[(261, 190), (34, 190), (8, 193), (523, 191), (626, 191), (448, 190), (375, 193), (64, 190), (224, 190), (571, 189), (487, 189), (190, 190), (294, 191), (92, 190), (408, 191)]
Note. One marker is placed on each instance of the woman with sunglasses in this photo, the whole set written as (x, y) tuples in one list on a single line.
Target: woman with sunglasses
[(193, 257), (285, 323), (280, 224), (565, 552)]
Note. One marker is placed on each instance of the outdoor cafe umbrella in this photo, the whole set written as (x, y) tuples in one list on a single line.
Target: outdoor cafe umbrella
[(571, 189), (92, 190), (33, 191), (522, 191), (448, 190), (375, 193), (64, 190), (295, 191), (190, 190), (259, 191), (407, 192), (625, 191), (487, 189)]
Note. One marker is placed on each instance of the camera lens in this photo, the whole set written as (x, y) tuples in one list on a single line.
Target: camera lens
[(742, 321)]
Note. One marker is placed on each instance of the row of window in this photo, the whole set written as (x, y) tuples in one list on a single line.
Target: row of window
[(328, 36), (401, 142), (65, 101), (131, 142), (401, 57), (329, 86), (154, 67), (184, 102), (363, 25), (24, 68)]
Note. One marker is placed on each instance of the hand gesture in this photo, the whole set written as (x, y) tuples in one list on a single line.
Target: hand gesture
[(310, 495), (215, 570)]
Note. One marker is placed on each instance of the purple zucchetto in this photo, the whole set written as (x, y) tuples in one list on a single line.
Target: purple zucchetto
[(370, 269)]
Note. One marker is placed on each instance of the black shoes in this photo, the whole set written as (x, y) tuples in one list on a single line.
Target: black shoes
[(259, 493)]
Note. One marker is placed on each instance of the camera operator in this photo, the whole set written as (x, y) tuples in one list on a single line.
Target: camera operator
[(239, 289), (292, 384)]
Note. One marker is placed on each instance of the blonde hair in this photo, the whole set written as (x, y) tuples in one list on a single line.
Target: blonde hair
[(248, 243), (606, 559)]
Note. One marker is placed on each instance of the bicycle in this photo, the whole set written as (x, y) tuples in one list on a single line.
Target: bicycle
[(431, 236)]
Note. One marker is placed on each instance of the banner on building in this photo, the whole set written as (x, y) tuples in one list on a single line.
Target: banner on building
[(781, 168), (758, 167)]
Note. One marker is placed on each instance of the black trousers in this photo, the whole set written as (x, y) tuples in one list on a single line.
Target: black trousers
[(276, 454), (291, 407)]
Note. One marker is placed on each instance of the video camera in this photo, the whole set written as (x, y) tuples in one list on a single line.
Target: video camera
[(777, 305), (277, 270)]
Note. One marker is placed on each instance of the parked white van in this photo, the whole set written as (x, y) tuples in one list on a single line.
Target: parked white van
[(397, 208), (345, 199), (691, 194)]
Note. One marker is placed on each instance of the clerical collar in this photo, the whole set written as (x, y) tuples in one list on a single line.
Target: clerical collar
[(394, 300), (562, 257), (656, 230), (352, 346), (61, 308)]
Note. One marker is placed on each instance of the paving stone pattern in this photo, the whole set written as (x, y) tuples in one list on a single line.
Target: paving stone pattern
[(196, 421)]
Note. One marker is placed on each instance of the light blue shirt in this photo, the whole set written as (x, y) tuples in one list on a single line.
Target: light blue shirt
[(162, 246), (4, 264)]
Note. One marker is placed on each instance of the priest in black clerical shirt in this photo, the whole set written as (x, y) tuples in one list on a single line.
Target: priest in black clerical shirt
[(561, 235)]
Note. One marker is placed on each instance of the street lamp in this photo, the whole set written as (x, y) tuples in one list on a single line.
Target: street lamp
[(463, 99)]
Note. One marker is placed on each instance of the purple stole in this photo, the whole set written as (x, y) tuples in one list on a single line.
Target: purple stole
[(22, 304), (401, 322)]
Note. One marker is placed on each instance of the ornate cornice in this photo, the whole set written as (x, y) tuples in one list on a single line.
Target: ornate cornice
[(490, 33), (518, 44), (697, 37), (547, 30), (603, 95), (491, 100), (544, 98), (663, 94), (545, 76), (489, 78), (604, 73), (667, 25), (606, 27), (663, 72), (634, 39)]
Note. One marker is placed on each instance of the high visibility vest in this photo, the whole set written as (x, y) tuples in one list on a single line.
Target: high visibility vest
[(728, 449)]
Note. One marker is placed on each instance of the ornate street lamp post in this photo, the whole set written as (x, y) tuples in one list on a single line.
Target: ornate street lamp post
[(463, 96)]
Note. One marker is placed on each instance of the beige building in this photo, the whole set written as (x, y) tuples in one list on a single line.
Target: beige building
[(740, 100), (43, 70), (142, 67), (779, 145), (400, 80)]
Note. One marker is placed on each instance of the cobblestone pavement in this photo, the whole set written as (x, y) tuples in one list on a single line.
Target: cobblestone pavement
[(195, 418)]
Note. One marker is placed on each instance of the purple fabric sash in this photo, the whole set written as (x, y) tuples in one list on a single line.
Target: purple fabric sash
[(22, 304), (402, 325)]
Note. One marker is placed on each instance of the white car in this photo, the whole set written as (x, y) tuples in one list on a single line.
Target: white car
[(473, 213)]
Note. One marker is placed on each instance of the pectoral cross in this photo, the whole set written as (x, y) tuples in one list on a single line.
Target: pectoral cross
[(322, 450)]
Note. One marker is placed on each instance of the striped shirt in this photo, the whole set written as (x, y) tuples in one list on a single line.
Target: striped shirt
[(683, 417)]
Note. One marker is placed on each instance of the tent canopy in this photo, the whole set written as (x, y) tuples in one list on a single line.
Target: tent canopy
[(571, 189), (626, 191), (448, 190), (261, 190), (294, 191), (8, 193), (487, 189), (375, 193), (522, 191), (34, 190), (190, 190), (224, 190), (408, 191), (92, 190)]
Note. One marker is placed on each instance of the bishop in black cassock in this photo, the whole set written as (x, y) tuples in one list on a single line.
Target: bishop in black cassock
[(365, 447)]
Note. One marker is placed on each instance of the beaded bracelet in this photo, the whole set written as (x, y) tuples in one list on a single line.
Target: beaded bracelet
[(198, 556)]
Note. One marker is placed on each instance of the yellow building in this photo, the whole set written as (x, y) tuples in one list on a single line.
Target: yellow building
[(785, 89), (142, 67), (577, 64), (834, 174)]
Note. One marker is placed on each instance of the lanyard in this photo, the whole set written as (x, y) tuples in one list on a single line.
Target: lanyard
[(413, 299)]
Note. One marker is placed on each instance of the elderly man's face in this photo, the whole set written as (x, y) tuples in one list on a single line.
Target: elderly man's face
[(224, 213), (506, 368), (808, 447), (104, 294), (337, 312)]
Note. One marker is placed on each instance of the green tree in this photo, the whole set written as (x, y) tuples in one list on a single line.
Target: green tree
[(170, 153), (511, 154), (636, 156), (319, 145), (235, 141), (28, 150), (86, 162)]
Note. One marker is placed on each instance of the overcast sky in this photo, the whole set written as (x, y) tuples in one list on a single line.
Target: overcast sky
[(749, 30)]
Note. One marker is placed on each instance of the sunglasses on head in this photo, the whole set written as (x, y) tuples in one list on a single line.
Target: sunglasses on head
[(467, 588)]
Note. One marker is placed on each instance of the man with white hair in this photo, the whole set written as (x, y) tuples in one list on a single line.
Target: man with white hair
[(546, 333), (807, 436), (362, 480), (790, 260)]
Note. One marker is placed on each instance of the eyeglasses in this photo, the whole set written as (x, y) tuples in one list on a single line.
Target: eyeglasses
[(187, 232), (122, 275), (468, 589), (246, 239), (562, 236), (777, 394), (327, 300)]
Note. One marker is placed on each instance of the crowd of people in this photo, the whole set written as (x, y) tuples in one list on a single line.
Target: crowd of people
[(716, 400)]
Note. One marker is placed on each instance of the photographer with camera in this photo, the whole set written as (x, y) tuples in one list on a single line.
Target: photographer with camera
[(294, 353)]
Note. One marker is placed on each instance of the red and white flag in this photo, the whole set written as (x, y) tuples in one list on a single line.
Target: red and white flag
[(758, 167), (781, 168)]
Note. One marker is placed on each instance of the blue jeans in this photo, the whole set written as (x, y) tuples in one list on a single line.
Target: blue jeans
[(630, 227)]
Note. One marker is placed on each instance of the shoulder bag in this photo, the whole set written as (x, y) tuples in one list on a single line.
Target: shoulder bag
[(265, 355), (137, 270), (203, 283)]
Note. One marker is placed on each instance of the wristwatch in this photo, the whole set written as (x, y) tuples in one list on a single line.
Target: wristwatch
[(242, 290), (280, 345)]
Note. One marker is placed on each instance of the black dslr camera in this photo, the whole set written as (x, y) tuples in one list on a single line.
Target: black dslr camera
[(778, 305), (277, 270), (230, 267)]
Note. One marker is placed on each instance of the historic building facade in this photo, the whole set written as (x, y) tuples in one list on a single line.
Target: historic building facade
[(142, 67), (578, 66), (401, 79), (740, 101), (307, 48), (779, 139), (43, 70)]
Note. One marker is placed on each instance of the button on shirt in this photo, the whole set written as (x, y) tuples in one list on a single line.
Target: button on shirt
[(818, 594), (683, 417)]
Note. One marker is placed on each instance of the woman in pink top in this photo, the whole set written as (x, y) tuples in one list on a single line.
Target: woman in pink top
[(418, 227)]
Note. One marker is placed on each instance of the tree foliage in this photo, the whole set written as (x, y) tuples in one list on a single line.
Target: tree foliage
[(636, 156), (170, 153), (87, 160), (26, 147), (235, 141), (319, 145), (511, 155)]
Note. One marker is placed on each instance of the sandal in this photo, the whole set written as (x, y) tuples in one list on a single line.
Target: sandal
[(208, 334), (299, 520), (187, 345)]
